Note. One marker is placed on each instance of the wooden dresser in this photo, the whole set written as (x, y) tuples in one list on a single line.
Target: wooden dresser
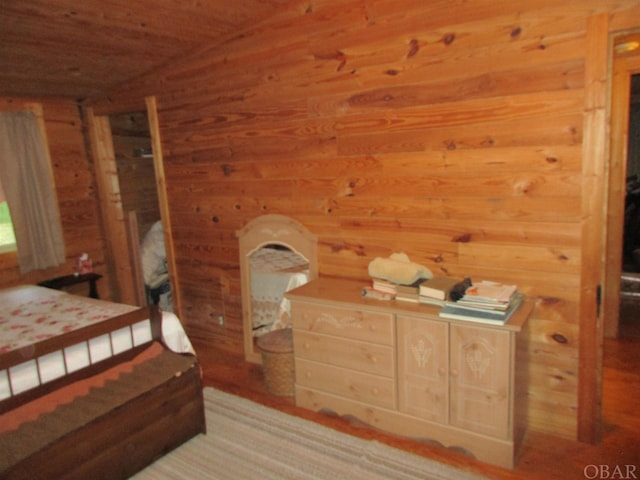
[(399, 367)]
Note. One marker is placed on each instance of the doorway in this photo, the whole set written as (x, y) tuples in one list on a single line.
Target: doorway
[(130, 177), (131, 138), (620, 382), (624, 165), (629, 323)]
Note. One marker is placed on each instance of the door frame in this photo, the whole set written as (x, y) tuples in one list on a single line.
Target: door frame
[(163, 201), (594, 145), (124, 284), (603, 201), (623, 67), (121, 283)]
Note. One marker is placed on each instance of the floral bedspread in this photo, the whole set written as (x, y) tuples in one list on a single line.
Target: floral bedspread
[(29, 314)]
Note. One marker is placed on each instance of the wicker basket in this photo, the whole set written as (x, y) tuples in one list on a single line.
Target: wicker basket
[(276, 349)]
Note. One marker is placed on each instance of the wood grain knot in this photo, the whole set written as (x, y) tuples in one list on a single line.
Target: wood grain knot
[(515, 33), (558, 337), (414, 46), (549, 300), (449, 38), (464, 238), (337, 247)]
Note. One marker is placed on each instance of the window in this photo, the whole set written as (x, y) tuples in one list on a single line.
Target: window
[(7, 236), (29, 189)]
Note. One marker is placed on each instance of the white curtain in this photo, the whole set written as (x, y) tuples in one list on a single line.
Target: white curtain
[(28, 185)]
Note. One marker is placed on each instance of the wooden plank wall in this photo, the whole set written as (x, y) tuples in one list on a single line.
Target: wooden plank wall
[(451, 131), (75, 188)]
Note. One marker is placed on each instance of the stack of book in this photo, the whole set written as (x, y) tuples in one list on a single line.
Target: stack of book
[(380, 289), (385, 290), (437, 290), (485, 302)]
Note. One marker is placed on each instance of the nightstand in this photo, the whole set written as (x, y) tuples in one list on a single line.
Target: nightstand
[(59, 283)]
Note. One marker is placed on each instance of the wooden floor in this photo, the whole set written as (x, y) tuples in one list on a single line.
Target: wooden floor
[(542, 457)]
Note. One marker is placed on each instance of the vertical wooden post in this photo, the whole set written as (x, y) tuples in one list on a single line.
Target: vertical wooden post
[(115, 227), (136, 260), (593, 229), (165, 216)]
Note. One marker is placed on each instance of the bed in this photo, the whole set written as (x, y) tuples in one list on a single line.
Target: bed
[(89, 388)]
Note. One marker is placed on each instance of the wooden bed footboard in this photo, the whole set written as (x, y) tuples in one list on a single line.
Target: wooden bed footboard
[(34, 352), (15, 357), (125, 440), (162, 407)]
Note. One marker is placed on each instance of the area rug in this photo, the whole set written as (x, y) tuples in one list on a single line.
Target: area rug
[(246, 440)]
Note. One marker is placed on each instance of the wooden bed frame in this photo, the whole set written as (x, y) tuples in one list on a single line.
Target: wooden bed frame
[(126, 439)]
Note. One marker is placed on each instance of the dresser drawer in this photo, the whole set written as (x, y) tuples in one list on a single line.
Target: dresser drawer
[(355, 324), (364, 387), (356, 355)]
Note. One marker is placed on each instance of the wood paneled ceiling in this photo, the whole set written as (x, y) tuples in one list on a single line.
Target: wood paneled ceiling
[(81, 48)]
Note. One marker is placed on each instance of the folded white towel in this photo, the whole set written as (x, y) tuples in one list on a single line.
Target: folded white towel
[(398, 269)]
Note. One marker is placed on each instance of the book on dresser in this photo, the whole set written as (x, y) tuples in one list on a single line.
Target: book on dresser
[(490, 292), (491, 314), (410, 292), (438, 288), (371, 292), (386, 286), (407, 297)]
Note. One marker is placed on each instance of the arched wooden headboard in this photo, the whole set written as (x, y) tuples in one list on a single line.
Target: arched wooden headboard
[(269, 230)]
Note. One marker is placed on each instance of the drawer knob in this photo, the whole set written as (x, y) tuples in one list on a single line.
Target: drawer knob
[(306, 345), (374, 359), (441, 371), (454, 372), (307, 374), (374, 390)]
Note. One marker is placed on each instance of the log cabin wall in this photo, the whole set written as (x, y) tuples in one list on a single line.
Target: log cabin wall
[(452, 131), (75, 189)]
